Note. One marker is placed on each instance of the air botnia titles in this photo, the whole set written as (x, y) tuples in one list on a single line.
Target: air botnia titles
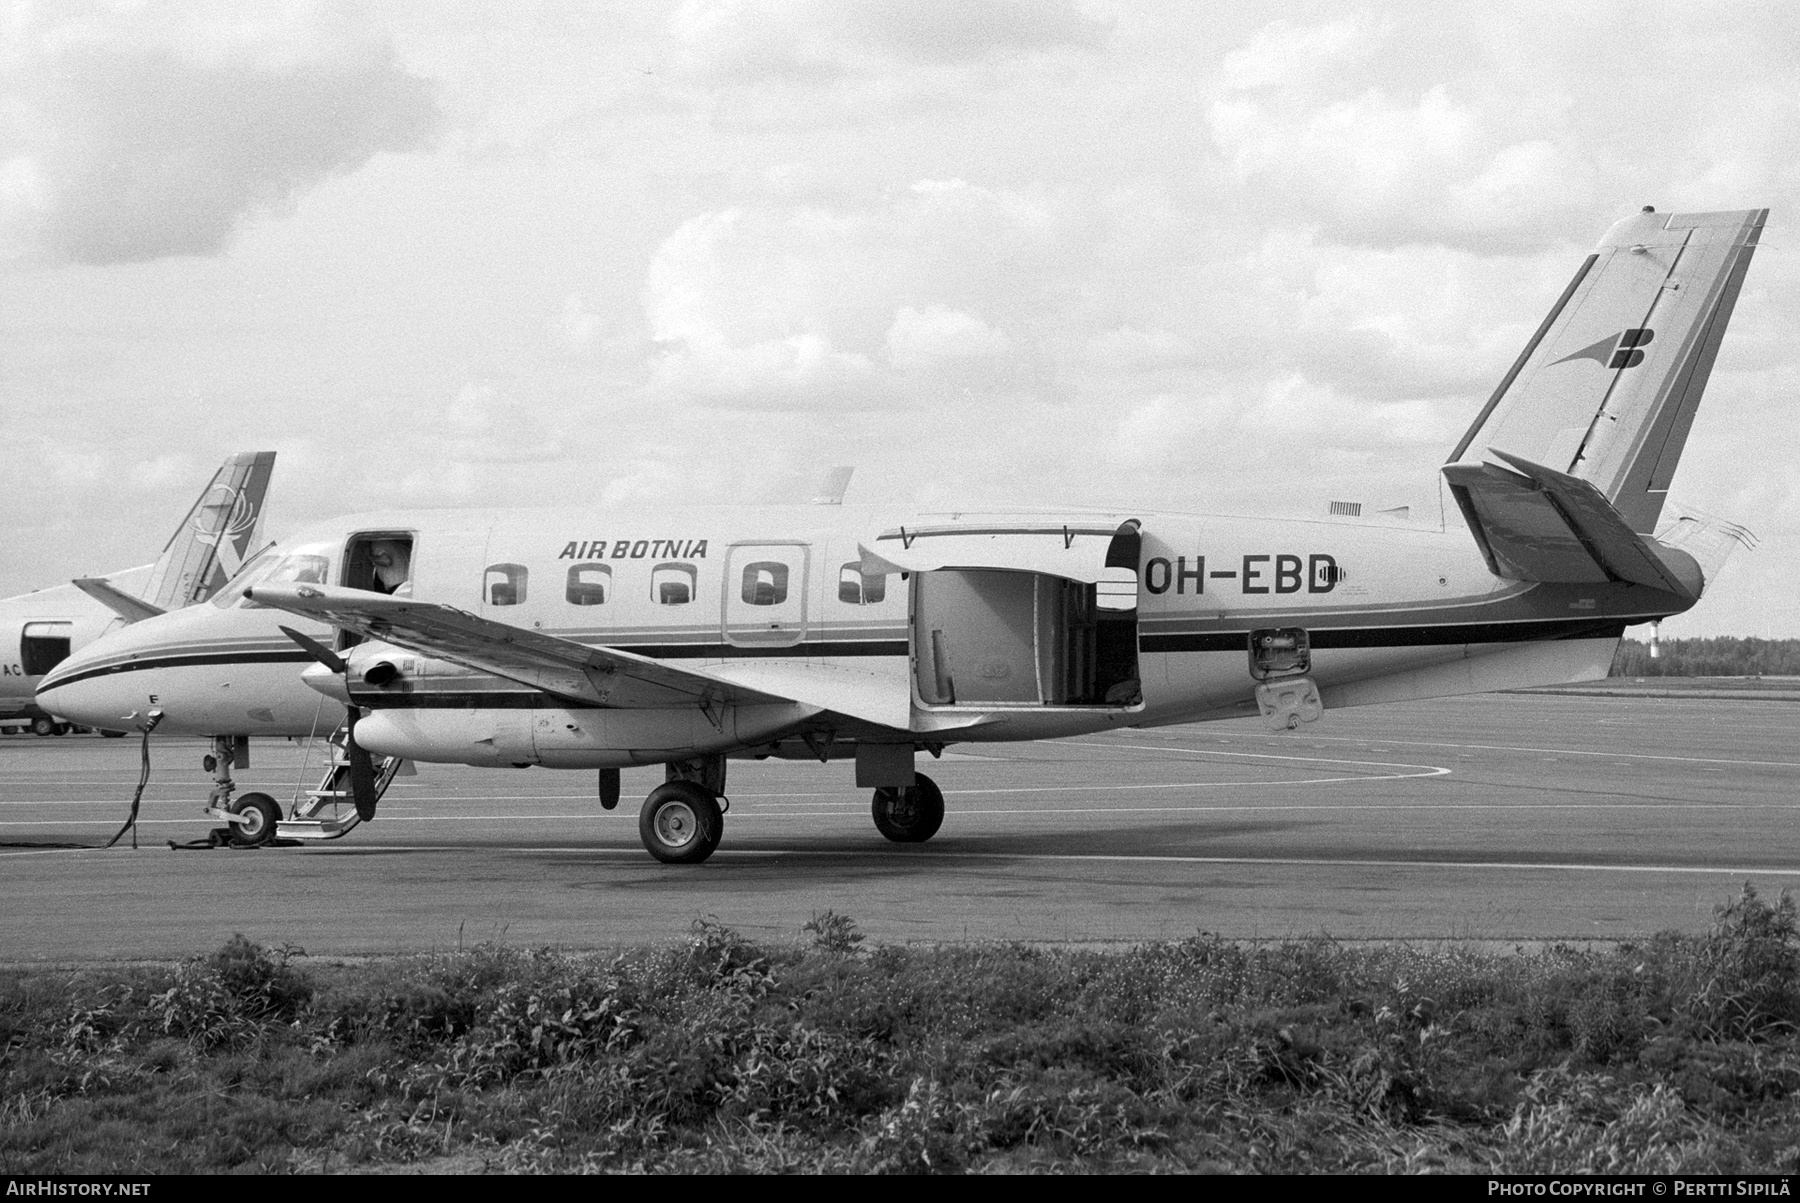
[(1768, 1188), (634, 549)]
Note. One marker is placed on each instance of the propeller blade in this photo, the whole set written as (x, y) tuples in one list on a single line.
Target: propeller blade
[(362, 773), (317, 650)]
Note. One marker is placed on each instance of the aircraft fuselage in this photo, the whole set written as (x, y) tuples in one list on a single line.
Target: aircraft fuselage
[(1389, 609)]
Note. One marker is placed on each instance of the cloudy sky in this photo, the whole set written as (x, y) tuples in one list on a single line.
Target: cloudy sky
[(1239, 257)]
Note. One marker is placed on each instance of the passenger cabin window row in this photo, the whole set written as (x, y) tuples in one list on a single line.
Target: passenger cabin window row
[(764, 583), (587, 584)]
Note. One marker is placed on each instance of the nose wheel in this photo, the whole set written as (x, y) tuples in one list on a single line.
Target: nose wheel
[(909, 815), (257, 816)]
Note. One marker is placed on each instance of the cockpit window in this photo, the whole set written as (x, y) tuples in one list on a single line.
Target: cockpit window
[(258, 566), (297, 568)]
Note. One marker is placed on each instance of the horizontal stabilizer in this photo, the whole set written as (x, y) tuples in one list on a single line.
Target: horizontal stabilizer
[(1537, 524), (127, 606)]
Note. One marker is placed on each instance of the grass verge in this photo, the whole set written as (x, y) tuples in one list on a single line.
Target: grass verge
[(1678, 1054)]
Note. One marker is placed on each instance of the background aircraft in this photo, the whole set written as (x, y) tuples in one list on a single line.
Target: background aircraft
[(38, 630), (683, 637)]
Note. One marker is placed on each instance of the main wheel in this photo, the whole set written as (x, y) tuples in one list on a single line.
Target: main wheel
[(911, 815), (680, 823), (261, 812), (43, 726)]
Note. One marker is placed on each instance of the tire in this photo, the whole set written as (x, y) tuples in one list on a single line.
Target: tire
[(264, 814), (113, 734), (43, 726), (912, 815), (680, 823)]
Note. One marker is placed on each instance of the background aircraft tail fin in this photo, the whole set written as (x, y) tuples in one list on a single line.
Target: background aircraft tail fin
[(1607, 388), (216, 535)]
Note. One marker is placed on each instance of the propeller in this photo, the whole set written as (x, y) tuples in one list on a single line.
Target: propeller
[(362, 765)]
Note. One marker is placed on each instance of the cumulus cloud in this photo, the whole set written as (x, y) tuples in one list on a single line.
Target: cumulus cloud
[(135, 131), (938, 334), (805, 306)]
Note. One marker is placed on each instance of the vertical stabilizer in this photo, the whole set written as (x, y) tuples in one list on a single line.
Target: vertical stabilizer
[(1607, 388), (211, 542)]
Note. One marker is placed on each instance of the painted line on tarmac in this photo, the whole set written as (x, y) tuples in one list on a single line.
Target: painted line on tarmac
[(1616, 755), (1382, 764), (838, 795), (924, 856), (1344, 862)]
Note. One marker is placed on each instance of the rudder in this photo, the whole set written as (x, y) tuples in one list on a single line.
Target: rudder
[(1607, 387)]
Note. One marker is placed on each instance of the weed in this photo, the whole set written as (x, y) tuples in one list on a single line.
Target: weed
[(833, 932), (722, 1055)]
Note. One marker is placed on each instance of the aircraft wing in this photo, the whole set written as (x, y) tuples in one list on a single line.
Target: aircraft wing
[(589, 675), (128, 606), (1537, 524)]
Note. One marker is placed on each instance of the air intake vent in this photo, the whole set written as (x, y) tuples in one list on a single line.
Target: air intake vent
[(1347, 509)]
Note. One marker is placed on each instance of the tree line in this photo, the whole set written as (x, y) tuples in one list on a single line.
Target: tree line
[(1719, 656)]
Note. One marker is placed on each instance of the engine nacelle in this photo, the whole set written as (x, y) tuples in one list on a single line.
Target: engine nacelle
[(570, 739)]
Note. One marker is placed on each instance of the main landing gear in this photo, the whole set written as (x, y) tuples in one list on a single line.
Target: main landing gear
[(910, 814), (681, 821)]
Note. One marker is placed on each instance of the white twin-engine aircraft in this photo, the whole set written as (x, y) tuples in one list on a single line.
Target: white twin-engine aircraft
[(601, 639)]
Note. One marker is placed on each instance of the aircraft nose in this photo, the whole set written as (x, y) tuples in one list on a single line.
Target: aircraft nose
[(82, 692)]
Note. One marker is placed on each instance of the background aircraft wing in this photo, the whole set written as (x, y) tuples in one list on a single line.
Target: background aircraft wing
[(128, 606), (592, 675)]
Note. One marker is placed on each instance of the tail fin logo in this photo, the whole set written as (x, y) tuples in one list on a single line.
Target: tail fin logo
[(1622, 350), (221, 521)]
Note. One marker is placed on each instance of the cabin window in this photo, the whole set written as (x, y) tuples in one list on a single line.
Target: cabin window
[(504, 584), (858, 589), (672, 584), (588, 584), (765, 583)]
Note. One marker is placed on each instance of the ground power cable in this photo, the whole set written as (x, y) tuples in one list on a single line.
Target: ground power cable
[(156, 716)]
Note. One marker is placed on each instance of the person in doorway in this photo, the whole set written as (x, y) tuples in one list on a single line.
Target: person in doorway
[(393, 566)]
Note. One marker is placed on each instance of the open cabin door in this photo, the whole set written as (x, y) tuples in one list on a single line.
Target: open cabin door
[(1026, 636)]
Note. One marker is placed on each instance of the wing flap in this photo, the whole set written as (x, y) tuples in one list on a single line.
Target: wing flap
[(872, 695)]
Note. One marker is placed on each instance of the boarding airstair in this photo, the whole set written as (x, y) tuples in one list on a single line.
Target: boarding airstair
[(329, 811)]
